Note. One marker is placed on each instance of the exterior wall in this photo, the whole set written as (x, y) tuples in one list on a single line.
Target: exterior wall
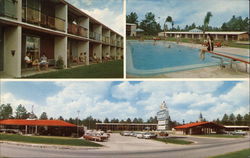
[(84, 22), (61, 11), (83, 46), (113, 52), (97, 49), (12, 43), (105, 50), (61, 48), (243, 36), (123, 127)]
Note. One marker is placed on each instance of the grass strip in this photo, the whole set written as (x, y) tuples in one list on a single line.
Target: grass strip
[(48, 140), (112, 69), (238, 154), (221, 136), (173, 141)]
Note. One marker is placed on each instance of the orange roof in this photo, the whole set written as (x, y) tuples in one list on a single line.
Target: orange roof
[(36, 122), (195, 124)]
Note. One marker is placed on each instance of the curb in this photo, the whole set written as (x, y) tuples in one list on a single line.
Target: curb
[(49, 146)]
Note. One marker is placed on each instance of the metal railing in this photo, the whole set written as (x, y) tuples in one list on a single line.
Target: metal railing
[(112, 42), (35, 16), (77, 30), (8, 8), (105, 39), (95, 36)]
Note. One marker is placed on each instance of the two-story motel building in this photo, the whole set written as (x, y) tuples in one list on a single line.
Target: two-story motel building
[(53, 28)]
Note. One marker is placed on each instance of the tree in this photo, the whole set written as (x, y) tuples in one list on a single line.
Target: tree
[(21, 112), (5, 111), (149, 25), (206, 22), (106, 120), (239, 120), (61, 118), (232, 119), (43, 116), (140, 120), (225, 120), (246, 119), (135, 120), (132, 18), (169, 20), (128, 120)]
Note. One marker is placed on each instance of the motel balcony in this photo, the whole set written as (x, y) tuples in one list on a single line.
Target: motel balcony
[(118, 43), (95, 36), (77, 30), (8, 8), (112, 42), (105, 39), (35, 16)]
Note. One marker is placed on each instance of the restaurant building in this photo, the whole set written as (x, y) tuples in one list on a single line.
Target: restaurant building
[(40, 127), (198, 128), (54, 28)]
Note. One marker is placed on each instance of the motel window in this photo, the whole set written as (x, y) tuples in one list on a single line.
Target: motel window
[(33, 46)]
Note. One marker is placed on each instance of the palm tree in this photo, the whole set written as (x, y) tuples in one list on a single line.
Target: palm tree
[(206, 22), (170, 20)]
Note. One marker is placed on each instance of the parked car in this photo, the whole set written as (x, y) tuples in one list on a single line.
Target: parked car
[(126, 133), (140, 135), (149, 135), (239, 132), (93, 138), (163, 134)]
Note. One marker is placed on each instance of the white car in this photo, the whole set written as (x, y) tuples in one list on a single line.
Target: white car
[(147, 135), (140, 135)]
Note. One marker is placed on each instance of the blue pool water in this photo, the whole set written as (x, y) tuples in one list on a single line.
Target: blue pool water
[(148, 58)]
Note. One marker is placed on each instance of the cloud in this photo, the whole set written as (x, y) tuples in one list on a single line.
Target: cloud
[(112, 19), (121, 100)]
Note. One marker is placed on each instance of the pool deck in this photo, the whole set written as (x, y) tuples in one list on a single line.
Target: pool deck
[(212, 71)]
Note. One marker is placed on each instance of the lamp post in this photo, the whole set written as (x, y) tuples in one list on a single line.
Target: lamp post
[(78, 111)]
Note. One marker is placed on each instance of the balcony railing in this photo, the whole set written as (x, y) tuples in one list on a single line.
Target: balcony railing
[(77, 30), (105, 39), (112, 42), (35, 16), (95, 36), (8, 8)]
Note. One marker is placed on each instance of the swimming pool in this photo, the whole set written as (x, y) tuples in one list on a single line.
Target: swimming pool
[(151, 58)]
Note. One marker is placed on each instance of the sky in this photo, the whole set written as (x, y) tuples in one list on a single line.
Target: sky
[(108, 12), (185, 12), (102, 99)]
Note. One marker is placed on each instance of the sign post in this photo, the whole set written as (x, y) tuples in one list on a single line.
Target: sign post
[(163, 117)]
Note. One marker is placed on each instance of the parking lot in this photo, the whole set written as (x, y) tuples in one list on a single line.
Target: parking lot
[(117, 142)]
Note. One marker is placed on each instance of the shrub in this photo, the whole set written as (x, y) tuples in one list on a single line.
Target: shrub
[(60, 63)]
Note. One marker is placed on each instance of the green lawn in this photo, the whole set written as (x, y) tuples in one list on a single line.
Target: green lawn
[(112, 69), (48, 140), (173, 141), (221, 136), (239, 154)]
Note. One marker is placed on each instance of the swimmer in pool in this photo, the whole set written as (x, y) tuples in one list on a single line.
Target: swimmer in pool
[(169, 46)]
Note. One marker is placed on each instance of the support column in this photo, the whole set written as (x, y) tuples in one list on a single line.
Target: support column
[(60, 49), (36, 130), (226, 37), (192, 36), (26, 129), (12, 51), (186, 35), (216, 37)]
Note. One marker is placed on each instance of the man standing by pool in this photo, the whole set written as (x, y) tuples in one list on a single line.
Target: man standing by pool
[(210, 43)]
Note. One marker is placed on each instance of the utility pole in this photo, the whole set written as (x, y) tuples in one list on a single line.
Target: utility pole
[(78, 111)]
